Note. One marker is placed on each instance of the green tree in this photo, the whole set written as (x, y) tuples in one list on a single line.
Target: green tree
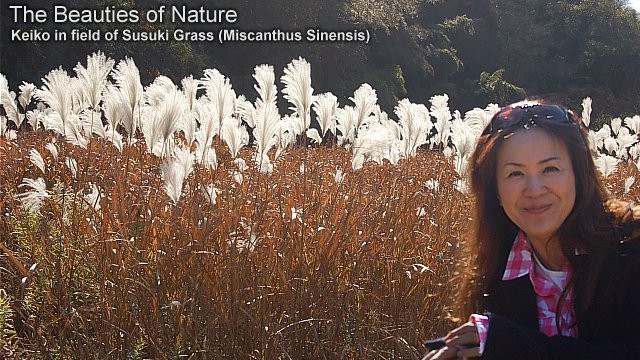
[(416, 37), (495, 89), (572, 49)]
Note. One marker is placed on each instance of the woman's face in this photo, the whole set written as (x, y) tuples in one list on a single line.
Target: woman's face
[(536, 183)]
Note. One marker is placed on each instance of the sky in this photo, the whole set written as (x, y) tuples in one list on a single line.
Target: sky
[(635, 4)]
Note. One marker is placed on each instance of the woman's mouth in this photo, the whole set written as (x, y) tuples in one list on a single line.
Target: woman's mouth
[(537, 209)]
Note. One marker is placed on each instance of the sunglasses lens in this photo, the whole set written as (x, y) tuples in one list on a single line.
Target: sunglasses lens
[(549, 112), (527, 115)]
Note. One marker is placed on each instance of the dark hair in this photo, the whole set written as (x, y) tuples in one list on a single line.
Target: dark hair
[(588, 227)]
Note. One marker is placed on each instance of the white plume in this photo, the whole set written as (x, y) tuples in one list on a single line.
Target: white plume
[(267, 119), (477, 119), (633, 123), (625, 140), (72, 165), (32, 200), (586, 111), (298, 90), (91, 123), (347, 123), (220, 94), (114, 106), (415, 125), (628, 182), (93, 78), (314, 135), (53, 150), (286, 132), (616, 124), (374, 143), (175, 171), (234, 135), (55, 93), (165, 119), (325, 108), (127, 78), (8, 101), (211, 192), (37, 160), (94, 197), (190, 88), (26, 93), (246, 111), (606, 164), (440, 110), (365, 100), (265, 78)]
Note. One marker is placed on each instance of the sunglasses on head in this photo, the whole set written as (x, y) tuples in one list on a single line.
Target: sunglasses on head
[(527, 115)]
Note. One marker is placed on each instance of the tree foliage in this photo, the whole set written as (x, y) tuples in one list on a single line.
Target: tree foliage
[(495, 89), (572, 48), (565, 49)]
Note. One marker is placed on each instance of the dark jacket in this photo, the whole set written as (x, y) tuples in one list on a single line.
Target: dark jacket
[(609, 329)]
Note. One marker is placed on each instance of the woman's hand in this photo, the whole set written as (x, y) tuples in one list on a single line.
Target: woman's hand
[(461, 343), (443, 353), (466, 339)]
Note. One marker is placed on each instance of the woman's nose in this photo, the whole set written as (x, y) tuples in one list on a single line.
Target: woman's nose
[(535, 186)]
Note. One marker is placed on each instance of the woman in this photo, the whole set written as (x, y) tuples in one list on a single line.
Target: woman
[(555, 273)]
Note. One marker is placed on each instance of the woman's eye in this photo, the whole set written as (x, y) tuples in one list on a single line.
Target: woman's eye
[(551, 169), (514, 174)]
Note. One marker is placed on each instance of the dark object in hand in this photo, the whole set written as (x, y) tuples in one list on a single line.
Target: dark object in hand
[(434, 344)]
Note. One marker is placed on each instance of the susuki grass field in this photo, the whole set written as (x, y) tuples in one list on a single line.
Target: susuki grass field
[(145, 224), (295, 263)]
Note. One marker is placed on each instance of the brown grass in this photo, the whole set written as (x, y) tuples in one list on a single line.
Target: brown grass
[(143, 278)]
